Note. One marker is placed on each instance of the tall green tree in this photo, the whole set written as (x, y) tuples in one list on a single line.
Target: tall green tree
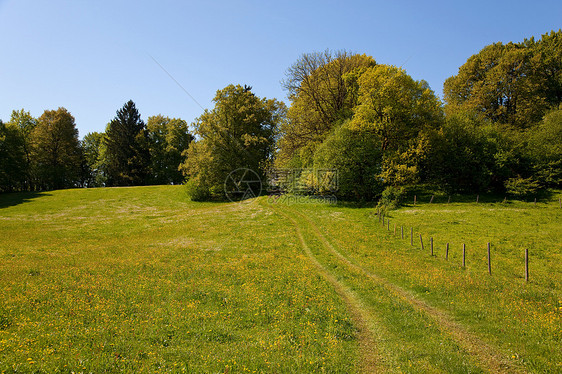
[(127, 155), (471, 154), (545, 149), (56, 151), (399, 111), (12, 159), (322, 90), (93, 150), (512, 84), (394, 106), (239, 132), (25, 124), (547, 65), (168, 139)]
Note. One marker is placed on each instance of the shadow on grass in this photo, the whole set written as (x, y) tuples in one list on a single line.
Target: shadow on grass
[(424, 196), (15, 198)]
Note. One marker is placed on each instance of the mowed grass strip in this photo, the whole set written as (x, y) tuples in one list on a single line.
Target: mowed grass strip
[(142, 280), (521, 320)]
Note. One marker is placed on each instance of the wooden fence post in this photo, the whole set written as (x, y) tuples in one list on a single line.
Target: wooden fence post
[(477, 198), (489, 260), (432, 196), (394, 228), (463, 255), (388, 224), (402, 230), (421, 241), (447, 252), (415, 197), (526, 264), (412, 236), (449, 200)]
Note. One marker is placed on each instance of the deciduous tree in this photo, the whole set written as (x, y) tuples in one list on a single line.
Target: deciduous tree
[(355, 156), (25, 124), (512, 84), (322, 90), (545, 148), (168, 139), (56, 150), (12, 158), (394, 106), (93, 150), (239, 132)]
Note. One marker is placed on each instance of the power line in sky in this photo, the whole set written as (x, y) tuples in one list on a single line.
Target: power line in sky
[(174, 79)]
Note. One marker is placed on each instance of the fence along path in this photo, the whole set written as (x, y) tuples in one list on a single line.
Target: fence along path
[(480, 352)]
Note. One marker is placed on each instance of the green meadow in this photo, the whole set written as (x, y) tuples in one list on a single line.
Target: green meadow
[(141, 279)]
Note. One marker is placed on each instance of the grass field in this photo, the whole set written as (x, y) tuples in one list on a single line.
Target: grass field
[(142, 280)]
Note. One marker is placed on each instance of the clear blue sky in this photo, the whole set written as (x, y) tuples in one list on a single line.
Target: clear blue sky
[(92, 56)]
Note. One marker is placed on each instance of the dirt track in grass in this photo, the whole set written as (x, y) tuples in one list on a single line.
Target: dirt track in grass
[(370, 329)]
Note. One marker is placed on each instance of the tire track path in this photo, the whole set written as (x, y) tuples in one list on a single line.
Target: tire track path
[(482, 354), (369, 331)]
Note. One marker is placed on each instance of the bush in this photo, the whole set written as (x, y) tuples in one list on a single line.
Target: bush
[(355, 156), (197, 191), (391, 198)]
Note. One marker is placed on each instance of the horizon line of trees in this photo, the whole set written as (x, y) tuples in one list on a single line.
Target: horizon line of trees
[(499, 128), (45, 153)]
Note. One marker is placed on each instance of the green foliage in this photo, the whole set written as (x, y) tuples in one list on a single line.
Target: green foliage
[(401, 168), (322, 91), (239, 132), (394, 106), (25, 124), (545, 149), (56, 152), (511, 84), (13, 165), (93, 147), (364, 119), (469, 154), (521, 187), (391, 198), (127, 155), (168, 139), (197, 190), (356, 157)]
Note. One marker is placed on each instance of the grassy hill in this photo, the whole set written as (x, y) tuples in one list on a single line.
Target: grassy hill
[(142, 280)]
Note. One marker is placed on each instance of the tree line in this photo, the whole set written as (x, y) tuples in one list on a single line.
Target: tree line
[(499, 128), (45, 153)]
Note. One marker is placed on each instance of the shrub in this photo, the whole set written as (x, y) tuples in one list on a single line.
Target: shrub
[(391, 198), (355, 156), (197, 191)]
